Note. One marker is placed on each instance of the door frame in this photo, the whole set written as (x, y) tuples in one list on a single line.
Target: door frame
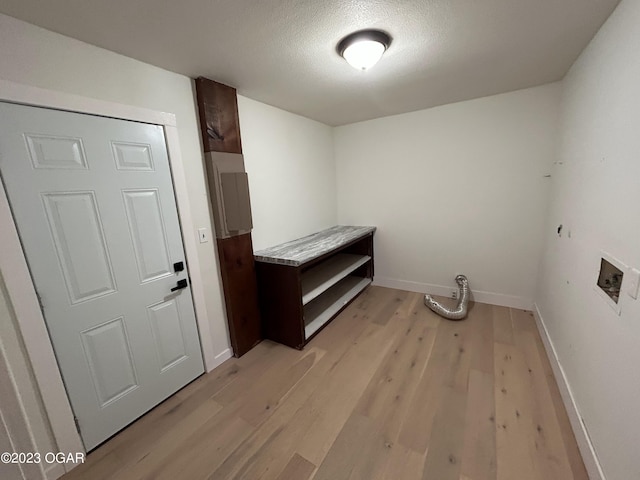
[(21, 290), (13, 421)]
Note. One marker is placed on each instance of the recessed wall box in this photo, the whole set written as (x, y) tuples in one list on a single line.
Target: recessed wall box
[(609, 281)]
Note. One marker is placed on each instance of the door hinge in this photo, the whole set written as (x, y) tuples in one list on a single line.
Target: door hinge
[(75, 419)]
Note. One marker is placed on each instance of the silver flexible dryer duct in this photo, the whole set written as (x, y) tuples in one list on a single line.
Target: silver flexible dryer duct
[(460, 311)]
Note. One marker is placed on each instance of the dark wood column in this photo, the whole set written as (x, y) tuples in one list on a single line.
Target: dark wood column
[(220, 126), (219, 121)]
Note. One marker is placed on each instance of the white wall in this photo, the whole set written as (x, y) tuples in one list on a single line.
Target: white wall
[(454, 189), (596, 193), (291, 170)]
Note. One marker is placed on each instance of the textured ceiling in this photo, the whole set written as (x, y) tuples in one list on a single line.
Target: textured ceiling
[(282, 52)]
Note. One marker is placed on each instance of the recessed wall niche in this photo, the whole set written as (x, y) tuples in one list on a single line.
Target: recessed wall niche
[(610, 279)]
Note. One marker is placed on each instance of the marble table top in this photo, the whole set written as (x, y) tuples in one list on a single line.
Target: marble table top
[(305, 249)]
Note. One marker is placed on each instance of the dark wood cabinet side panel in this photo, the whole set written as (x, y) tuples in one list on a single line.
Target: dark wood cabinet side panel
[(279, 294), (240, 292), (219, 121)]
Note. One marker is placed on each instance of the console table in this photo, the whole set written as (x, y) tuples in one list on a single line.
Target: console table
[(305, 283)]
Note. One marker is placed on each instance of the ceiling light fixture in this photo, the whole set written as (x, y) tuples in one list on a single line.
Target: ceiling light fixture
[(363, 49)]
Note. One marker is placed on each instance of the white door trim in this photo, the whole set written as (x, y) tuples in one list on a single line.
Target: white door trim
[(16, 273), (14, 423)]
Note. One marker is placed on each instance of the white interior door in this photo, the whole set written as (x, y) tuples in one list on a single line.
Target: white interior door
[(93, 201)]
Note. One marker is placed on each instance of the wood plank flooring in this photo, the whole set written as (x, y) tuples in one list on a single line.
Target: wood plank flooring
[(387, 391)]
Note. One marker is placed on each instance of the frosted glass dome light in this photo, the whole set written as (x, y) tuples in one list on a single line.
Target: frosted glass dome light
[(363, 54), (363, 49)]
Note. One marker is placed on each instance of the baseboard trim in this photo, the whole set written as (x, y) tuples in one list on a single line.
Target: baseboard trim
[(477, 296), (591, 462), (220, 358)]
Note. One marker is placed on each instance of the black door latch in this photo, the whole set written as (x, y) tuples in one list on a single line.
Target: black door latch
[(180, 284)]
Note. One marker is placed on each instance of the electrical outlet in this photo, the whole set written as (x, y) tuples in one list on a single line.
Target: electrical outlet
[(454, 294)]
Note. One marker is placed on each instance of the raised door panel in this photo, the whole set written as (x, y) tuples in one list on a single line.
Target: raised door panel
[(168, 335), (79, 240), (108, 354), (54, 152), (148, 233), (132, 156)]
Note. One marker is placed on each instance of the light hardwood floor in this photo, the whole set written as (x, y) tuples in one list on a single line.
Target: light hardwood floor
[(387, 391)]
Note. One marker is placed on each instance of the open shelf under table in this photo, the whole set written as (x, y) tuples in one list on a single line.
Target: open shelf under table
[(323, 308), (319, 279)]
